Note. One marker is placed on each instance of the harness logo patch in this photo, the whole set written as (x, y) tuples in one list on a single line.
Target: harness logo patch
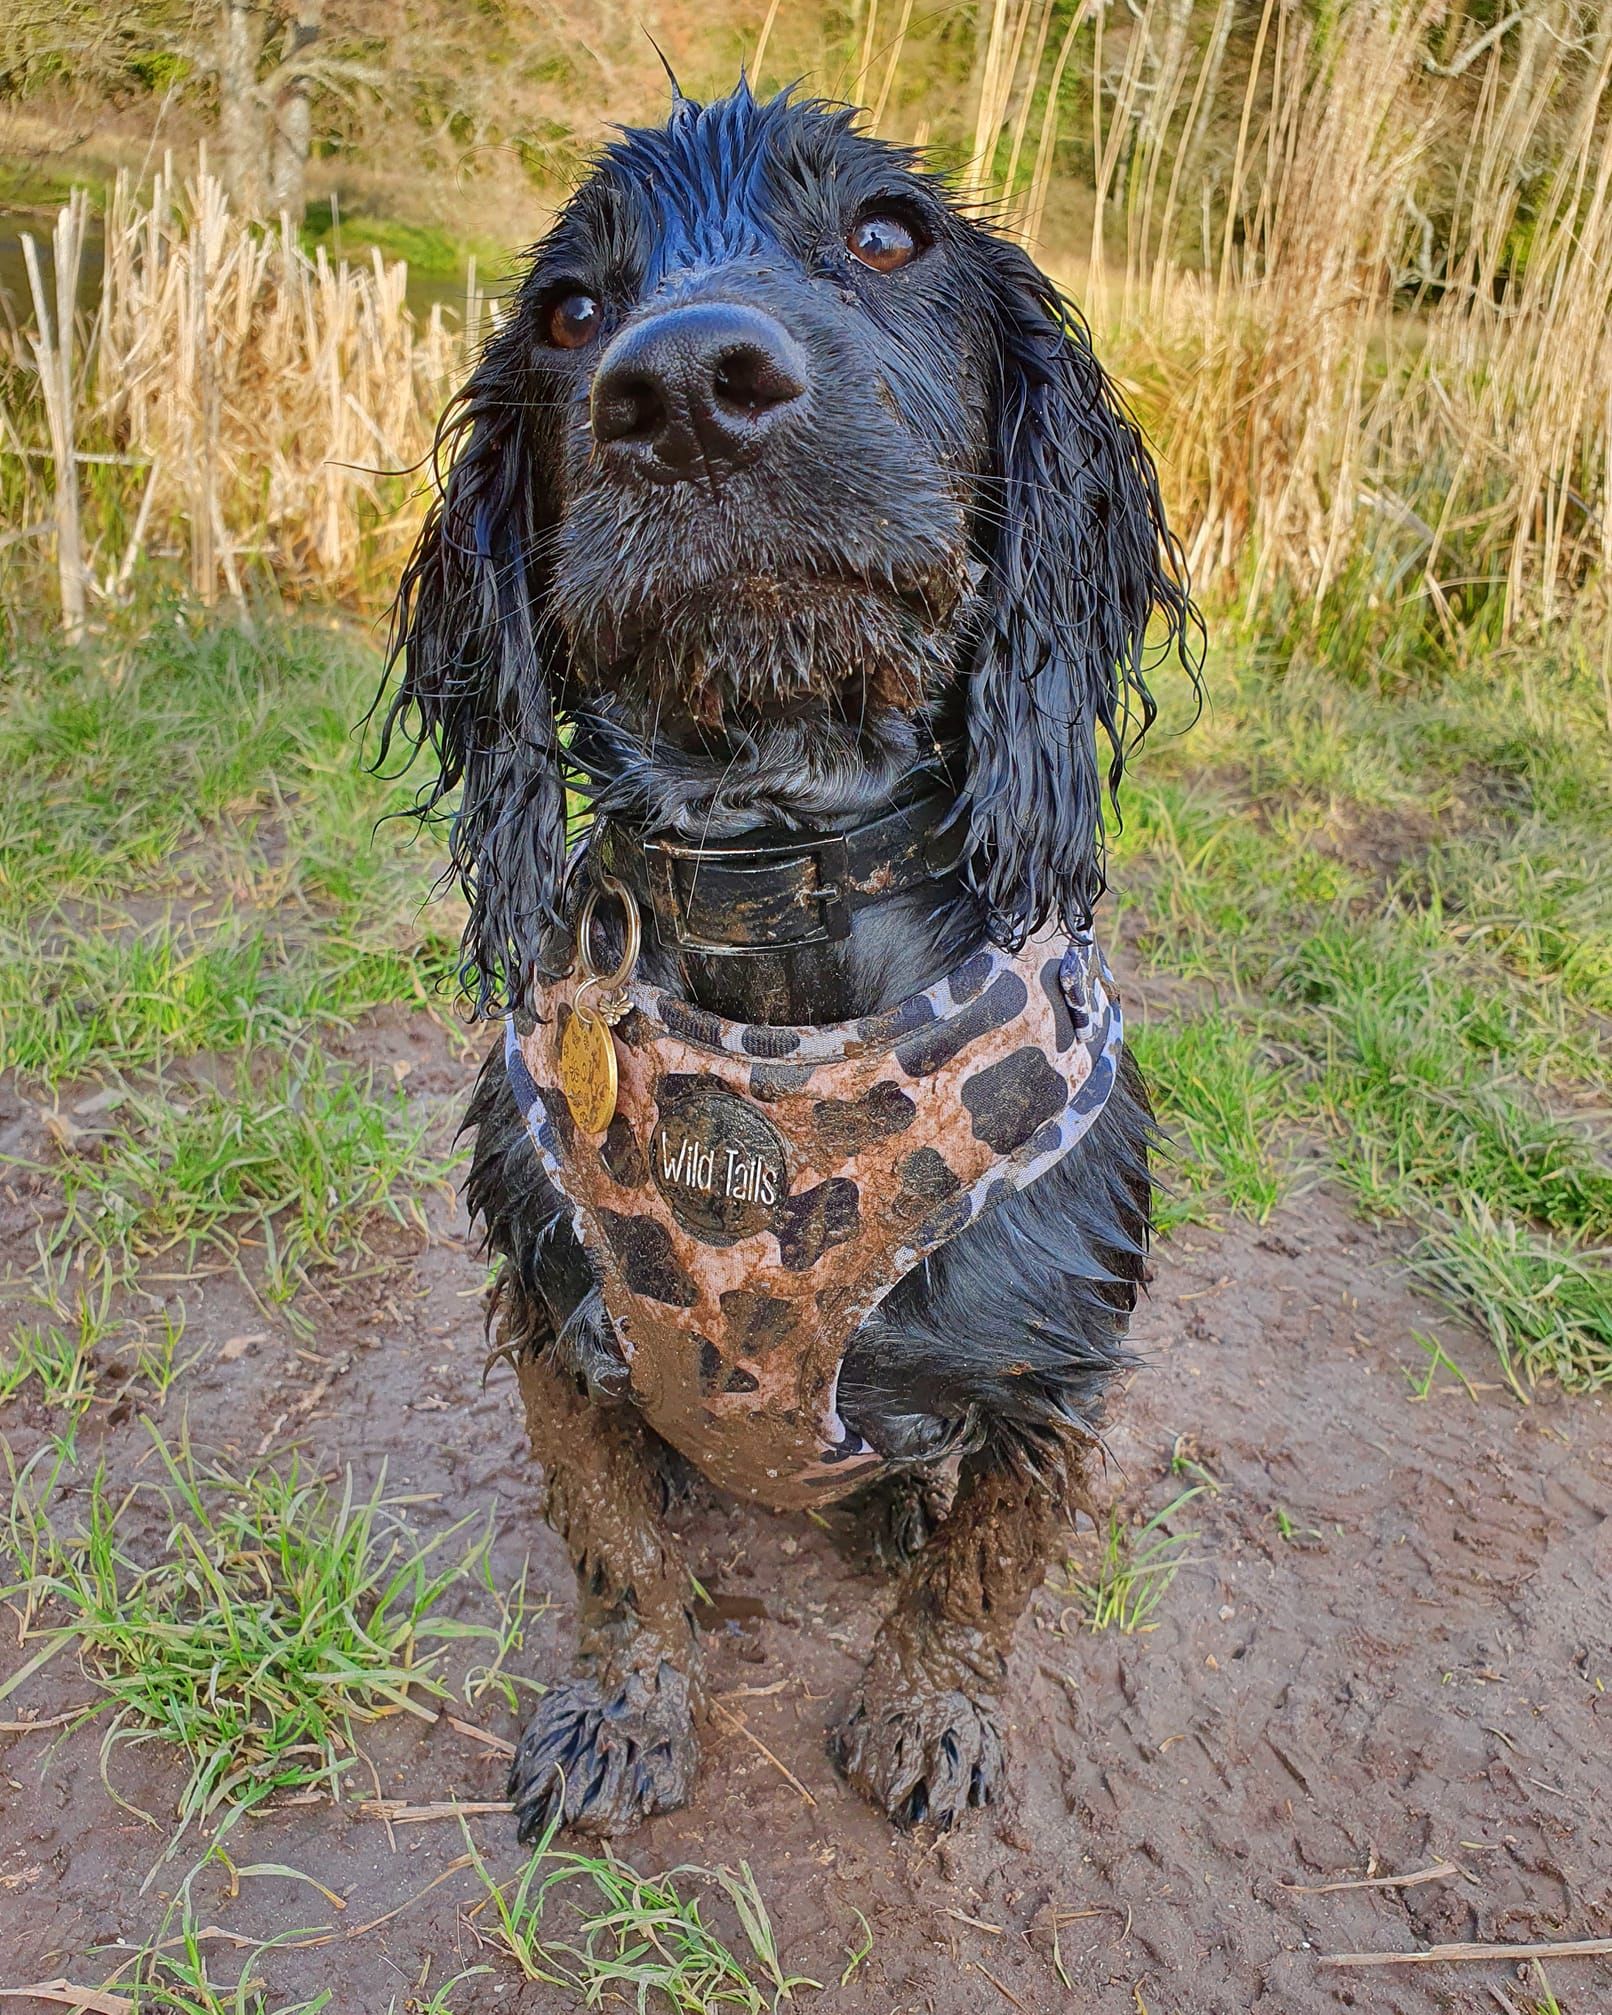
[(720, 1164)]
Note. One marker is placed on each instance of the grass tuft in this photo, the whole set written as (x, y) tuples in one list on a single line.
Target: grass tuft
[(638, 1935), (191, 857), (1134, 1571), (1226, 1106), (251, 1618), (1383, 911), (295, 1163)]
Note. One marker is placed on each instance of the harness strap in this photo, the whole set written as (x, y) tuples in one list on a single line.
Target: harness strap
[(760, 1189)]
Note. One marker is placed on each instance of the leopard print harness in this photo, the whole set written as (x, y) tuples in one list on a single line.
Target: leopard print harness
[(761, 1189)]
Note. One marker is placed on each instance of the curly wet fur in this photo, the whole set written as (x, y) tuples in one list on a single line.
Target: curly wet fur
[(948, 560)]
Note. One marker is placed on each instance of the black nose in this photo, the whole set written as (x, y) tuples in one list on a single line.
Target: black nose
[(699, 388)]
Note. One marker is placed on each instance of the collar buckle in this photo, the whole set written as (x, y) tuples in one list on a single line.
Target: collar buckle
[(766, 887)]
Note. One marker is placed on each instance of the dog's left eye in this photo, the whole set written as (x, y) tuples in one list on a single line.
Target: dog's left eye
[(882, 242), (574, 319)]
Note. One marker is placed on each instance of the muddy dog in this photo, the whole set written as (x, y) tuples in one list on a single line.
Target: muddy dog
[(791, 525)]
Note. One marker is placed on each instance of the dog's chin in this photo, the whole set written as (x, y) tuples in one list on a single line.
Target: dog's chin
[(754, 652)]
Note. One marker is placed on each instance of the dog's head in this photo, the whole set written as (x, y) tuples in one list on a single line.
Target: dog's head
[(782, 469)]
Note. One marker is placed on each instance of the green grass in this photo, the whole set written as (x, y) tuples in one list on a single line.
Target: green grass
[(293, 1164), (190, 853), (1378, 901), (1226, 1107), (1385, 906), (1133, 1572), (430, 252), (636, 1940), (61, 1362), (171, 1978), (249, 1617)]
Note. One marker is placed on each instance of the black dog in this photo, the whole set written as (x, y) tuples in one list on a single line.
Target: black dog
[(799, 498)]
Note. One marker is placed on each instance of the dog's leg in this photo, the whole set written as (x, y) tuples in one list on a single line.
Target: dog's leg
[(922, 1738), (615, 1741), (890, 1521)]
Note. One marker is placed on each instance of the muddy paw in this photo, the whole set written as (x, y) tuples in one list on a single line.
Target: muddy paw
[(925, 1757), (603, 1755)]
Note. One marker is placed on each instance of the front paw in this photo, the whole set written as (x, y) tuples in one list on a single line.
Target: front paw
[(601, 1754), (921, 1754)]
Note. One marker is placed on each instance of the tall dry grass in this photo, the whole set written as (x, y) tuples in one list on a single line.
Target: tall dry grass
[(231, 403), (1352, 264)]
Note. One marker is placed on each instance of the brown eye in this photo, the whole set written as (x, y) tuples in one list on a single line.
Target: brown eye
[(574, 320), (882, 242)]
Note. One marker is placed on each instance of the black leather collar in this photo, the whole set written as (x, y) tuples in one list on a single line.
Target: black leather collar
[(777, 888)]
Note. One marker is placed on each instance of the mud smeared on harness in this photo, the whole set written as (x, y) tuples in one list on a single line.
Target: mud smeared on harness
[(761, 1189)]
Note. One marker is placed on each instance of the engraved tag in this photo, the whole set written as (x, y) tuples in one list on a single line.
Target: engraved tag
[(587, 1070), (719, 1162)]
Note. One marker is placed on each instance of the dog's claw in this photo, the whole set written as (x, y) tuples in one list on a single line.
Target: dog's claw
[(924, 1758), (601, 1755)]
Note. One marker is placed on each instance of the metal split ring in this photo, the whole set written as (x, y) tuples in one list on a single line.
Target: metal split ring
[(612, 982)]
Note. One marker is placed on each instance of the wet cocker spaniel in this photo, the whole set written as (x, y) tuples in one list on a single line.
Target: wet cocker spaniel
[(793, 538)]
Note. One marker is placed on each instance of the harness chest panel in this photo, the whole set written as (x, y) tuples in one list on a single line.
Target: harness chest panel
[(761, 1189)]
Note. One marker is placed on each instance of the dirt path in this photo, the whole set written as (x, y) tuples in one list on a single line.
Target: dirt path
[(1422, 1671)]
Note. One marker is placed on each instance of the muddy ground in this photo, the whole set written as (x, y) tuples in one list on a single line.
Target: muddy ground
[(1421, 1672)]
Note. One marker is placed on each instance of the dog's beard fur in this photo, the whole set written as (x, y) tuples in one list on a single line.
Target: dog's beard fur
[(768, 698), (763, 647)]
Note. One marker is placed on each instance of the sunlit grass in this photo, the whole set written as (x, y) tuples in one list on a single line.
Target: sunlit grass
[(121, 994), (191, 854), (293, 1163), (1226, 1105), (250, 1617), (634, 1936), (1387, 906)]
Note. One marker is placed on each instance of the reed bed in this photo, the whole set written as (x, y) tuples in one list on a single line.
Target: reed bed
[(1353, 266), (232, 404)]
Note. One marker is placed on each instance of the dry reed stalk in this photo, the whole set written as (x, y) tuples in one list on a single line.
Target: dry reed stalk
[(266, 395), (1035, 206), (1392, 364), (891, 66), (1004, 44), (52, 345)]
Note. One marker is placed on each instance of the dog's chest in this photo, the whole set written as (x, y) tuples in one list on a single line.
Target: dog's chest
[(759, 1189)]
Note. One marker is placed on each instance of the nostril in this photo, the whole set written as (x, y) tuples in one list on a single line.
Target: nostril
[(749, 381), (628, 406)]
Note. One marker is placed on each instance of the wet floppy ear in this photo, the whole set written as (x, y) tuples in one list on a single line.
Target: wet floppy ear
[(1083, 562), (479, 663)]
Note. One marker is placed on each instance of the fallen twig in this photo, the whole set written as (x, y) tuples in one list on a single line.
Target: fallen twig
[(750, 1735), (1007, 1993), (401, 1813), (40, 1659), (50, 1720), (1439, 1871), (500, 1743), (978, 1923), (1438, 1955)]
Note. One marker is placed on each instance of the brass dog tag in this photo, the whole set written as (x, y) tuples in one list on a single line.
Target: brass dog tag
[(588, 1068), (587, 1059)]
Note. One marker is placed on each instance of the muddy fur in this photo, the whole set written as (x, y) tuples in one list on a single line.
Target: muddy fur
[(941, 555), (616, 1740), (922, 1735)]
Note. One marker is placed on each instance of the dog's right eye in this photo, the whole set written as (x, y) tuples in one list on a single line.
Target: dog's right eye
[(574, 320)]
